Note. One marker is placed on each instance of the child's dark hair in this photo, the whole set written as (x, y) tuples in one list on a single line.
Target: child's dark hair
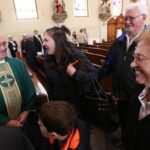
[(58, 116)]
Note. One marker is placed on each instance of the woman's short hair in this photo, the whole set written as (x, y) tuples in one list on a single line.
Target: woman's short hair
[(58, 116)]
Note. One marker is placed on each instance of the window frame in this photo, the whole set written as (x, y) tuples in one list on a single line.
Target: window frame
[(121, 5), (24, 18), (83, 10)]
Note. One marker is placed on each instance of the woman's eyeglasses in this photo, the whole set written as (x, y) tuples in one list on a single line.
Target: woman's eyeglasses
[(139, 58)]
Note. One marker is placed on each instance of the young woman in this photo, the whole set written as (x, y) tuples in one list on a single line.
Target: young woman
[(68, 69)]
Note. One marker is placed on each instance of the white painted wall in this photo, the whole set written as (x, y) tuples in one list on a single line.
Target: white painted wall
[(97, 29)]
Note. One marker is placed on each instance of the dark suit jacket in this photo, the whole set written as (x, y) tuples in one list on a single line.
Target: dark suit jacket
[(84, 143), (37, 43), (13, 139), (13, 48), (137, 131)]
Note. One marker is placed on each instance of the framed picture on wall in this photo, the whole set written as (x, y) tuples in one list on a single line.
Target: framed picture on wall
[(117, 6), (144, 2), (26, 9), (80, 8)]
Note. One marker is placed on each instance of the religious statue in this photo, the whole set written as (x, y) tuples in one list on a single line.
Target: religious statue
[(104, 12), (59, 11)]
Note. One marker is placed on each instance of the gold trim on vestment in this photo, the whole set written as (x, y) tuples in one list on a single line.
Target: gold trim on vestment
[(10, 91)]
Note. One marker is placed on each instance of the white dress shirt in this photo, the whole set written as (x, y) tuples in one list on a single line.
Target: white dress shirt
[(145, 104)]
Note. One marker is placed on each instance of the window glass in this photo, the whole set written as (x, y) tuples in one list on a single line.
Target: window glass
[(80, 7), (116, 7), (25, 9)]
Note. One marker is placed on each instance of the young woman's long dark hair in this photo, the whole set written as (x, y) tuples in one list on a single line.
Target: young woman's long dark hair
[(63, 53)]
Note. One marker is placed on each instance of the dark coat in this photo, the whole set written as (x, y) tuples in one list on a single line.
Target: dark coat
[(124, 85), (37, 43), (30, 52), (13, 48), (118, 63), (22, 44), (137, 132), (84, 143), (63, 87), (13, 139)]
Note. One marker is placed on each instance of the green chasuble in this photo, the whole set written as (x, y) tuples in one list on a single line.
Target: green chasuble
[(24, 84)]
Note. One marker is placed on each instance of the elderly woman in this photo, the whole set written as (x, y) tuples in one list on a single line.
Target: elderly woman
[(138, 129)]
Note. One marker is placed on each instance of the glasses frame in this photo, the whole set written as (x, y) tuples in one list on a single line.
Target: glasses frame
[(139, 58), (132, 18)]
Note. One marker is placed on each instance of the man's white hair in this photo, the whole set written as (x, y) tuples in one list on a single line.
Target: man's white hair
[(140, 6)]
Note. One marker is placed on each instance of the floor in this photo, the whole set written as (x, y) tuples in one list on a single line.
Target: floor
[(104, 141)]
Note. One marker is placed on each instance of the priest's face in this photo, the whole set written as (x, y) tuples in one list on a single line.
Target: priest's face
[(3, 49)]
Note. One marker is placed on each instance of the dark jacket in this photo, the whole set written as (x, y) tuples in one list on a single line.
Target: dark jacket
[(124, 84), (137, 132), (63, 87), (84, 143), (30, 52), (118, 63), (13, 47), (13, 139), (38, 43)]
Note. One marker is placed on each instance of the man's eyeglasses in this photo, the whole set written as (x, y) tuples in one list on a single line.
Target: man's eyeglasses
[(131, 18), (139, 58)]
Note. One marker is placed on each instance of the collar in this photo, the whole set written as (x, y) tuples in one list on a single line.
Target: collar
[(2, 61), (143, 96), (122, 37), (131, 40), (73, 140)]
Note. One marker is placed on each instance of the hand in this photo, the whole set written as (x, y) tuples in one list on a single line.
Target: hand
[(23, 117), (71, 70), (14, 123)]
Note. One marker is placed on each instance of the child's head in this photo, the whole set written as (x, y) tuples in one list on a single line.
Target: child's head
[(56, 116)]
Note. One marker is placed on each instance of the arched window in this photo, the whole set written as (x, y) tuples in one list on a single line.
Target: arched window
[(26, 9)]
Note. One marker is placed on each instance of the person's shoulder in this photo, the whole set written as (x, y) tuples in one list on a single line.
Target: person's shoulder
[(5, 130), (119, 40), (13, 138), (14, 61), (122, 37), (77, 52)]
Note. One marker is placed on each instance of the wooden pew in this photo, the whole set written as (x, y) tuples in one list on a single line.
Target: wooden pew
[(108, 42), (41, 92), (100, 51), (96, 59), (103, 45), (96, 45)]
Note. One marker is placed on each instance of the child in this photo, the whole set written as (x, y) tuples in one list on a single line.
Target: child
[(58, 122)]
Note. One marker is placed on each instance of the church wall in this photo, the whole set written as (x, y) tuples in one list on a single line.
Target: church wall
[(97, 29)]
